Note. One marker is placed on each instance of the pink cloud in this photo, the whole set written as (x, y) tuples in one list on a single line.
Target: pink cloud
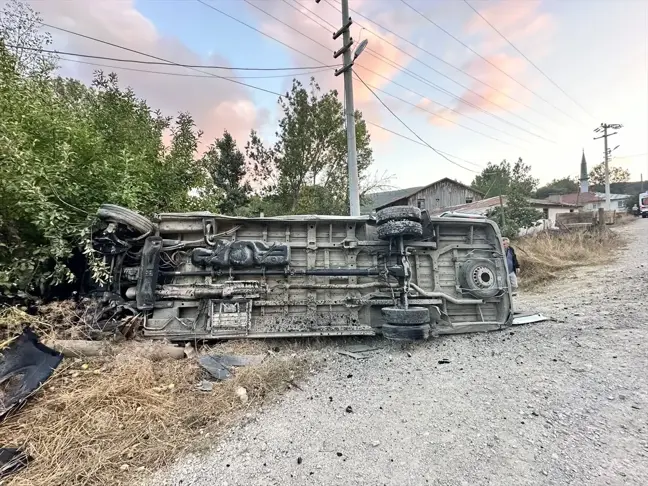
[(321, 46), (523, 25), (215, 104)]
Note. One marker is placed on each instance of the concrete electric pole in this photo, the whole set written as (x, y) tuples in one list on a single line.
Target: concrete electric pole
[(604, 128), (347, 70)]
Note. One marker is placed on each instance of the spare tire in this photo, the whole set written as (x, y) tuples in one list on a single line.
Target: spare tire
[(479, 277), (407, 229), (395, 213), (392, 332), (411, 315), (118, 214)]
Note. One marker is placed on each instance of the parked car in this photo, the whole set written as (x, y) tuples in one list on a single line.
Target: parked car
[(402, 274)]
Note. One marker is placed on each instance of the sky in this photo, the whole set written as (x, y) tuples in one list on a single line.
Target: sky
[(449, 76)]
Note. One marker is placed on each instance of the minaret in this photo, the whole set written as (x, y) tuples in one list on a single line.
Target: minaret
[(584, 178)]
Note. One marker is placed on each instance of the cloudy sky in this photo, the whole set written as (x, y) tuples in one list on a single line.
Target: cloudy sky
[(472, 96)]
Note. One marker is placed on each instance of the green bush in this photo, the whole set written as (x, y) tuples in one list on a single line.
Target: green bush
[(66, 148)]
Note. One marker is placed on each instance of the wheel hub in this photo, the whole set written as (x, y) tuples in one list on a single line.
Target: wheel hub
[(483, 277)]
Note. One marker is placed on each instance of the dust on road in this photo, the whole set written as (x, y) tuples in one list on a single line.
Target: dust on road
[(556, 403)]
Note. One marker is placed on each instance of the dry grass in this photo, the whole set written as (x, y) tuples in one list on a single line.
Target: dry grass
[(543, 257), (107, 421), (57, 320)]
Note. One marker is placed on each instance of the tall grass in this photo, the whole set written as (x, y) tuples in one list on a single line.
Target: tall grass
[(543, 257)]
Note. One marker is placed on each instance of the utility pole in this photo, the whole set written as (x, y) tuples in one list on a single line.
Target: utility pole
[(347, 70), (604, 128)]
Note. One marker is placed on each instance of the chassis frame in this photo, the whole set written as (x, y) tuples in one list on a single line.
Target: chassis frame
[(402, 274)]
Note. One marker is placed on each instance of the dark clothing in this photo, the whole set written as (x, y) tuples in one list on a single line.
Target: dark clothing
[(511, 260)]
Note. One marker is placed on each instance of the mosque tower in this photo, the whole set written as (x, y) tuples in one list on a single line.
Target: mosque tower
[(584, 178)]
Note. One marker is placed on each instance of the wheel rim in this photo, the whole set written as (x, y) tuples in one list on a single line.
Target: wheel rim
[(483, 277)]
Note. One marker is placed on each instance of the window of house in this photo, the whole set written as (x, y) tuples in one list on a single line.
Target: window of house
[(469, 200), (420, 203), (545, 213)]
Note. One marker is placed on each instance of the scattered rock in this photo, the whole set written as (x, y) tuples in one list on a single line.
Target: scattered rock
[(242, 394), (205, 386)]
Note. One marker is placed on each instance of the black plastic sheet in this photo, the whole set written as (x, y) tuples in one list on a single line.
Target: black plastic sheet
[(24, 366)]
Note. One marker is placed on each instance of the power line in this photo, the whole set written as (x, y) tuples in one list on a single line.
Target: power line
[(437, 115), (407, 126), (443, 154), (441, 60), (158, 63), (258, 30), (458, 98), (335, 28), (489, 62), (376, 73), (190, 75), (156, 57), (525, 57)]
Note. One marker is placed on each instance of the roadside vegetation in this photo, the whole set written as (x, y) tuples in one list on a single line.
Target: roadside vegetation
[(112, 420), (548, 255), (67, 147)]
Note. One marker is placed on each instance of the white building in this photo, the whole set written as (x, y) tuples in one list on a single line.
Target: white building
[(590, 201)]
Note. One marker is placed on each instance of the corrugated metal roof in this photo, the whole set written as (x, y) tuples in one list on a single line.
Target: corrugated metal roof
[(477, 207), (379, 199), (485, 205), (613, 197), (414, 190)]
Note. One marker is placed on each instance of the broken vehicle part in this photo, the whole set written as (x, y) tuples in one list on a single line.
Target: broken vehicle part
[(25, 365), (12, 460), (219, 366), (221, 277), (528, 318)]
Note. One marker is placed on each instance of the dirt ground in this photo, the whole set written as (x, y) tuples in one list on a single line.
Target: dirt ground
[(557, 403)]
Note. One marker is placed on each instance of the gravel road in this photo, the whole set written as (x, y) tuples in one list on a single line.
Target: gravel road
[(556, 403)]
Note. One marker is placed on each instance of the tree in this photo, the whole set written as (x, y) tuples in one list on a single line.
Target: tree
[(66, 148), (617, 174), (494, 179), (566, 185), (501, 178), (310, 153), (519, 187), (19, 26), (226, 166)]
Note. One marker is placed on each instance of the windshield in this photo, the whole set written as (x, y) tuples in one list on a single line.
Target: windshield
[(644, 201)]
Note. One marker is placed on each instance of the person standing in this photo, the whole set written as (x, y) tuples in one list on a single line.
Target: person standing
[(512, 265)]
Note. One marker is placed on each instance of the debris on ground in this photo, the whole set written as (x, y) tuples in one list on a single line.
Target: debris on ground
[(357, 351), (145, 411), (242, 394), (220, 366), (206, 386), (80, 349), (12, 460), (26, 364), (528, 318), (88, 319)]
